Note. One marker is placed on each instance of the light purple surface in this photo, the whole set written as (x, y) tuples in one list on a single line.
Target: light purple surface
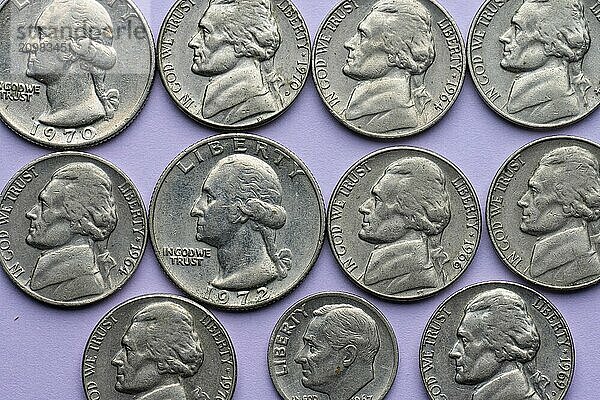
[(41, 346)]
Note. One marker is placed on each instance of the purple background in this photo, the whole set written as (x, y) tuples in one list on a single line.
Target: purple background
[(41, 346)]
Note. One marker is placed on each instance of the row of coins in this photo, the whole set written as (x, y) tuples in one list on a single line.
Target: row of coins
[(386, 68), (403, 223), (484, 339)]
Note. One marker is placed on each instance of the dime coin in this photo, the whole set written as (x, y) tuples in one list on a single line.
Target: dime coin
[(74, 73), (159, 347), (388, 68), (497, 341), (237, 221), (333, 345), (543, 212), (73, 228), (233, 64), (404, 223), (533, 62)]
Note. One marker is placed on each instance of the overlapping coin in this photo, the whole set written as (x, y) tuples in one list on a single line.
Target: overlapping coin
[(404, 223), (237, 221), (73, 228), (534, 62), (497, 340), (388, 68), (159, 347), (334, 346), (543, 212), (233, 64), (73, 73)]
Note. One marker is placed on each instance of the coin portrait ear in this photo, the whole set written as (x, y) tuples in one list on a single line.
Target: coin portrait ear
[(350, 353)]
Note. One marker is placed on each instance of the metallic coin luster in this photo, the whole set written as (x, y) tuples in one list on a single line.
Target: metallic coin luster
[(497, 341), (237, 221), (159, 347), (543, 212), (73, 228), (333, 345), (233, 64), (388, 68), (534, 63), (73, 73), (404, 223)]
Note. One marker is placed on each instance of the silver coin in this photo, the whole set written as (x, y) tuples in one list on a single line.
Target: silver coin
[(159, 347), (333, 346), (237, 221), (233, 64), (74, 73), (404, 223), (388, 68), (543, 212), (497, 341), (73, 228), (534, 62)]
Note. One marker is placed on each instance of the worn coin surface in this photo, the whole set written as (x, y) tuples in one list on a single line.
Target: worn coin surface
[(404, 223), (498, 341), (73, 73), (237, 221), (543, 212), (388, 68), (159, 347), (233, 64), (333, 346), (534, 62), (73, 228)]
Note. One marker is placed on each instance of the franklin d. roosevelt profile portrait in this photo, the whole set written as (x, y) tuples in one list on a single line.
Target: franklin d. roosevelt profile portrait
[(160, 348), (545, 45), (235, 46), (239, 212), (71, 223), (497, 337), (390, 54), (561, 208), (80, 35), (338, 356), (404, 218)]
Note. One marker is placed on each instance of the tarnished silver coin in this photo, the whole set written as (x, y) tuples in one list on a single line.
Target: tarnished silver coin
[(233, 64), (543, 212), (73, 73), (404, 223), (159, 347), (497, 341), (535, 62), (237, 221), (73, 228), (333, 346), (388, 68)]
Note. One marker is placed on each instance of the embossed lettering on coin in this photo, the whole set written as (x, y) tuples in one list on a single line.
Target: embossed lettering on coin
[(556, 210), (74, 228), (238, 221), (342, 345), (391, 47), (504, 341), (406, 207)]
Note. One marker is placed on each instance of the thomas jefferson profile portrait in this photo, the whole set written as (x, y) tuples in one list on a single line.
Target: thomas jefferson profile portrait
[(561, 208), (80, 34), (404, 218), (497, 338), (235, 47), (389, 55), (239, 212), (340, 345), (545, 46), (160, 348), (71, 223)]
